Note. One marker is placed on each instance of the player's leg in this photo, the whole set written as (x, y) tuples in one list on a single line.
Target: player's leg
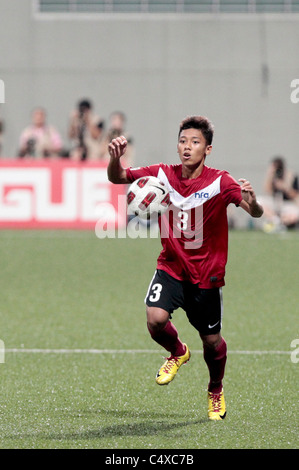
[(215, 354), (163, 331), (164, 296), (205, 314)]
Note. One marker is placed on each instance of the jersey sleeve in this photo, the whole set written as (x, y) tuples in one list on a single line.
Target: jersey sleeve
[(135, 173), (230, 190)]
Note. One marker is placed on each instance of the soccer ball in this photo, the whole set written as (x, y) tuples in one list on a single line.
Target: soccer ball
[(147, 197)]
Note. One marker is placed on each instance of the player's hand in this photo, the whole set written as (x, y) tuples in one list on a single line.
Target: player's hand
[(248, 193), (117, 147)]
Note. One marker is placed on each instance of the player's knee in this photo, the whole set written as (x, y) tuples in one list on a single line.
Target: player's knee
[(157, 319), (211, 341)]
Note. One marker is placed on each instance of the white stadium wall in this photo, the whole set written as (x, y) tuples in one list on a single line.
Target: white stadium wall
[(236, 69)]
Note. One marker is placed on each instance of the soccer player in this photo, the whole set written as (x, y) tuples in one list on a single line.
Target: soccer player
[(194, 236)]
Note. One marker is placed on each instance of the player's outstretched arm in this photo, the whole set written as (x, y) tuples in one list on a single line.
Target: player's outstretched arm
[(116, 172), (249, 202)]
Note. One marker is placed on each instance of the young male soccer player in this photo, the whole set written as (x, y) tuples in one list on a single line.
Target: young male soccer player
[(194, 236)]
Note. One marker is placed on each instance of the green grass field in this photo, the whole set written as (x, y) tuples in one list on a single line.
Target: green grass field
[(79, 364)]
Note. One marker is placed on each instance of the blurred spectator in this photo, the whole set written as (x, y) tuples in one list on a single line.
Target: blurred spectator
[(116, 128), (40, 140), (86, 131), (281, 204)]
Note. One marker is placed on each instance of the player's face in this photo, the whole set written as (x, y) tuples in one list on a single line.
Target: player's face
[(192, 149)]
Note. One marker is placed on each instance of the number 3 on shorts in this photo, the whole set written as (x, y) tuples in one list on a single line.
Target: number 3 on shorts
[(156, 292)]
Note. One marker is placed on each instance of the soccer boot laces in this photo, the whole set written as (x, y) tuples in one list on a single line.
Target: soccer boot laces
[(216, 406), (171, 366)]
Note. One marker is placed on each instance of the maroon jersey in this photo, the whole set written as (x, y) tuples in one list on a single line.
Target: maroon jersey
[(194, 230)]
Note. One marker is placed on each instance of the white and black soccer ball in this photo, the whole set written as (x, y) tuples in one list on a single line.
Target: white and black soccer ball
[(147, 197)]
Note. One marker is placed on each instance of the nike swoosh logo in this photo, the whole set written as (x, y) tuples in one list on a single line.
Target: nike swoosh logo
[(212, 326), (158, 187)]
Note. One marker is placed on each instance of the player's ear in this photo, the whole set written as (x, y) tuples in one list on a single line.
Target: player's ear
[(208, 149)]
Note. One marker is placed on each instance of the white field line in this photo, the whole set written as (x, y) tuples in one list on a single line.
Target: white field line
[(127, 351)]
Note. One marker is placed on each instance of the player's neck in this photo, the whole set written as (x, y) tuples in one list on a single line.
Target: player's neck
[(192, 172)]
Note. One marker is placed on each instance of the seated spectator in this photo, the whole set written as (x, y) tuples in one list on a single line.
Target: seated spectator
[(281, 203), (116, 128), (40, 140), (86, 131)]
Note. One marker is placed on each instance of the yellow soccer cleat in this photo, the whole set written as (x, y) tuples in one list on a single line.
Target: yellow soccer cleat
[(171, 366), (216, 406)]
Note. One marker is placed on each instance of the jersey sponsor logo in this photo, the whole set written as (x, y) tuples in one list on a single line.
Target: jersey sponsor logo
[(202, 195)]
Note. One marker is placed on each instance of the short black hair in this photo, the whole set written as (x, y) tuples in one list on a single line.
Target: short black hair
[(201, 123), (85, 104)]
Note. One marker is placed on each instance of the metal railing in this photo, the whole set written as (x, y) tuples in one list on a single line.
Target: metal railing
[(168, 6)]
